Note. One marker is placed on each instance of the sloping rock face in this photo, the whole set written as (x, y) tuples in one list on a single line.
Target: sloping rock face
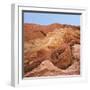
[(51, 50), (34, 31)]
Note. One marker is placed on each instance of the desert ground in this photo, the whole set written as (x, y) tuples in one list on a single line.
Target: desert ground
[(51, 50)]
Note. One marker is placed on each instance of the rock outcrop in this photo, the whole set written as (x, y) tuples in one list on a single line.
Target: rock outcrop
[(51, 50)]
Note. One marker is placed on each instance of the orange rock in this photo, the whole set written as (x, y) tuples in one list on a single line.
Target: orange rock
[(56, 43)]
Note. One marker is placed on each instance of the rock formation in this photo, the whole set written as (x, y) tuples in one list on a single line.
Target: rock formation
[(51, 50)]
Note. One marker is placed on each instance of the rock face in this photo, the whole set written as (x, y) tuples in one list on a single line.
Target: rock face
[(76, 51), (51, 50), (62, 57), (34, 31), (46, 68)]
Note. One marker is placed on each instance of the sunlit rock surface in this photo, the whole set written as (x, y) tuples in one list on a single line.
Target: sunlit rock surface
[(51, 50)]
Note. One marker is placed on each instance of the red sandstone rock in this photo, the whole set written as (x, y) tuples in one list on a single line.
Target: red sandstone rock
[(51, 50), (62, 57)]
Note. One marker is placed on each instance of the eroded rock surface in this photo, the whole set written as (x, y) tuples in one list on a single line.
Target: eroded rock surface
[(55, 52), (76, 51)]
